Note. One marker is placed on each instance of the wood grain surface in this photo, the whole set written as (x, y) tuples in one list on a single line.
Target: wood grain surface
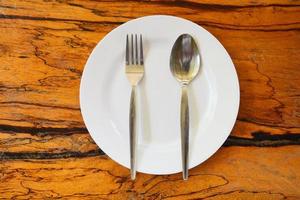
[(46, 151)]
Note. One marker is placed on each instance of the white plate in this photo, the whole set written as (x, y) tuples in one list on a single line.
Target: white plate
[(105, 96)]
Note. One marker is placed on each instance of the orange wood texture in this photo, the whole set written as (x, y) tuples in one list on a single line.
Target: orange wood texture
[(46, 151)]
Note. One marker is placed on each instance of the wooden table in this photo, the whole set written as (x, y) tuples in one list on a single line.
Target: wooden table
[(46, 151)]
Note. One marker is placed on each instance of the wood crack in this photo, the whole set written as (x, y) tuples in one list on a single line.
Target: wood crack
[(226, 182), (199, 5), (216, 7), (21, 88), (38, 53), (253, 121), (264, 139), (263, 28), (9, 103), (42, 131), (277, 109), (22, 17), (47, 155), (243, 191)]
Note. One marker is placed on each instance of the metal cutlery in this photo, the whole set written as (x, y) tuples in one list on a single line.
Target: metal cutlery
[(134, 67), (185, 65)]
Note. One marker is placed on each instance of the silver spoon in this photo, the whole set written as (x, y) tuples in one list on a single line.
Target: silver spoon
[(185, 64)]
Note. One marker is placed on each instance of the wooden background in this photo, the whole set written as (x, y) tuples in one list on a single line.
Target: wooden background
[(46, 151)]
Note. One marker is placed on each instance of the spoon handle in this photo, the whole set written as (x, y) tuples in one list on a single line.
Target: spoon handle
[(132, 133), (184, 125)]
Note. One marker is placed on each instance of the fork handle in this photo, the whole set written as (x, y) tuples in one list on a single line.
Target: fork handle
[(132, 133), (184, 125)]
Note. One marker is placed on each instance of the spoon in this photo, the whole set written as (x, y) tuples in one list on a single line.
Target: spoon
[(185, 65)]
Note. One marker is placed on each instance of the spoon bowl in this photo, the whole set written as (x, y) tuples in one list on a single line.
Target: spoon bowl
[(185, 59)]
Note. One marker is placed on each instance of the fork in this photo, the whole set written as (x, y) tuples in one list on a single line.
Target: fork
[(134, 60)]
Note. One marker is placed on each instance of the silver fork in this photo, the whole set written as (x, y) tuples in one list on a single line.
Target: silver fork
[(135, 71)]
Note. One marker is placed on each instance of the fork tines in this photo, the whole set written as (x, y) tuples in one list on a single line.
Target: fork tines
[(134, 51)]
